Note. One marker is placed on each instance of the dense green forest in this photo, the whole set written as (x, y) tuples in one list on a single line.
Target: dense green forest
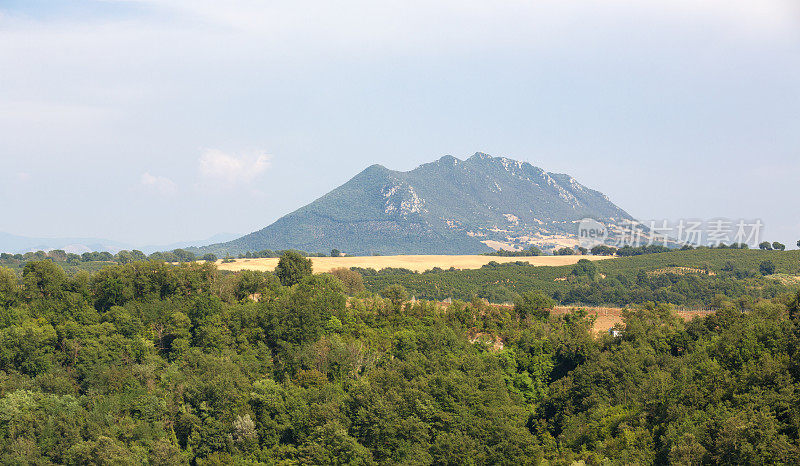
[(689, 278), (151, 363)]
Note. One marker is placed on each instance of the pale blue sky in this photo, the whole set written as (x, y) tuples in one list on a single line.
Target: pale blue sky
[(161, 121)]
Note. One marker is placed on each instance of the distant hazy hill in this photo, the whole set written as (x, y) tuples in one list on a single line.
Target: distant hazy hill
[(220, 237), (449, 206), (21, 244)]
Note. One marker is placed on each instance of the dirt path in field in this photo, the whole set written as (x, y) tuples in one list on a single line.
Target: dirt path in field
[(417, 263)]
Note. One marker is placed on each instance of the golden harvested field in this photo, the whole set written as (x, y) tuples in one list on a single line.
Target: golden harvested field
[(418, 263)]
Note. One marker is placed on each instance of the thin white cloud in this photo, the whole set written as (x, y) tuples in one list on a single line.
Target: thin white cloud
[(230, 170), (388, 23), (161, 184)]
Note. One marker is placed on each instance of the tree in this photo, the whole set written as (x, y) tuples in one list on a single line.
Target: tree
[(396, 294), (35, 256), (565, 251), (251, 282), (58, 255), (184, 255), (798, 243), (765, 246), (353, 281), (43, 278), (169, 256), (157, 256), (210, 257), (292, 267), (113, 286), (642, 278), (331, 444), (336, 253), (584, 267), (767, 268), (778, 246), (603, 250), (300, 315), (533, 304), (138, 256), (124, 257), (9, 290)]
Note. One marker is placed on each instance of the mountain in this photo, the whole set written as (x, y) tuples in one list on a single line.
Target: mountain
[(449, 206)]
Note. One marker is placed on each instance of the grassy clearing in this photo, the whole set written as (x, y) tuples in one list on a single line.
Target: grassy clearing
[(608, 317)]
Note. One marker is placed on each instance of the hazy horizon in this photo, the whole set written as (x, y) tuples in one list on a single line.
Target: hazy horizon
[(153, 122)]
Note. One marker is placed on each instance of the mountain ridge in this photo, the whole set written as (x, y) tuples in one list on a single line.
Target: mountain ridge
[(447, 206)]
